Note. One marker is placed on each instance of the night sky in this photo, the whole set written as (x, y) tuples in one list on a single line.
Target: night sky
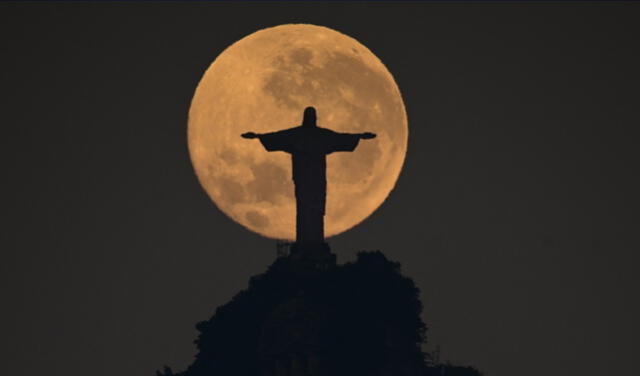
[(516, 212)]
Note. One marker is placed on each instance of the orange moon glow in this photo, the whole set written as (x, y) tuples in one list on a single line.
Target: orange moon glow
[(262, 83)]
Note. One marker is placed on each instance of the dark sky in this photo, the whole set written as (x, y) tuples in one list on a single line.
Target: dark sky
[(516, 212)]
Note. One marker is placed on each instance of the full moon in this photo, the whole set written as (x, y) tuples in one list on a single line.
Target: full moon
[(262, 83)]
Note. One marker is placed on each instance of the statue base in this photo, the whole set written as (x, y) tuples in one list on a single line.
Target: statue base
[(312, 256)]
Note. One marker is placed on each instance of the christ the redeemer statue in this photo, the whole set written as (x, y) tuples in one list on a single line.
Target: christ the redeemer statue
[(308, 145)]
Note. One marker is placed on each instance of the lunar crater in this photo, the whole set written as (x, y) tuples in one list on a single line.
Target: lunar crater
[(271, 183), (230, 190), (256, 219)]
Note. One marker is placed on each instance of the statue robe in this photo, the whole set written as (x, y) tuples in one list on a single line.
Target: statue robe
[(308, 146)]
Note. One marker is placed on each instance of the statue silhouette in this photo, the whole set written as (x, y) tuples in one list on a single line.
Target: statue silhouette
[(308, 145)]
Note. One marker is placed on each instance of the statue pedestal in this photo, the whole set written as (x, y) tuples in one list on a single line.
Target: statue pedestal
[(312, 256)]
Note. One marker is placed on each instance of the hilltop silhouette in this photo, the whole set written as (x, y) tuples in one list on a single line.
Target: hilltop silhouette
[(360, 318)]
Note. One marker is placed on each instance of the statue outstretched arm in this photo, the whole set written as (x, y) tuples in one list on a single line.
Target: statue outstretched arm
[(367, 135), (274, 141), (250, 135), (346, 141)]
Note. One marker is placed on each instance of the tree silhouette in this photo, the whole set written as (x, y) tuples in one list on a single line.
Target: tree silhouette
[(361, 318)]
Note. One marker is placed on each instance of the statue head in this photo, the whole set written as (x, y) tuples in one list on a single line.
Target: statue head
[(309, 119)]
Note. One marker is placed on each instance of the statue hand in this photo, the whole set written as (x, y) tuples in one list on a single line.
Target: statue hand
[(367, 135), (249, 135)]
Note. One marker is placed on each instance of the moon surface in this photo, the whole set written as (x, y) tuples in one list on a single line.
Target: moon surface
[(262, 83)]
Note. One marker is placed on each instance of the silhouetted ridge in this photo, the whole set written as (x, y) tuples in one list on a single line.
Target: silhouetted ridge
[(361, 318)]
